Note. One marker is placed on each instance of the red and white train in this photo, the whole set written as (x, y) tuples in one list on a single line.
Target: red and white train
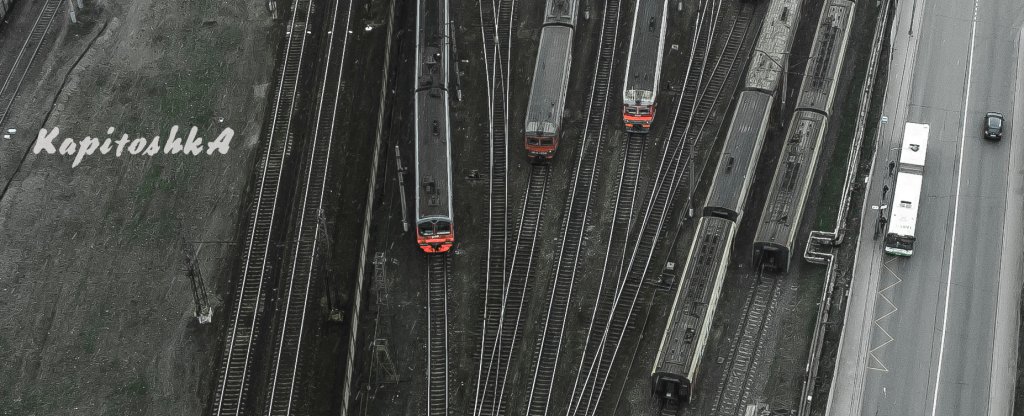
[(434, 227), (550, 80), (643, 67)]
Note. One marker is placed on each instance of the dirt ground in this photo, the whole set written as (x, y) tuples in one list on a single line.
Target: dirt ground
[(95, 309)]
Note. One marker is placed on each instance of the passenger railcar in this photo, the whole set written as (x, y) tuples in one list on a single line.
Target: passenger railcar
[(686, 335), (643, 65), (818, 88), (773, 45), (735, 168), (682, 345), (546, 106), (434, 224), (776, 232), (674, 375)]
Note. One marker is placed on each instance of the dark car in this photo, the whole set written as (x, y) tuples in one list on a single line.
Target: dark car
[(993, 126)]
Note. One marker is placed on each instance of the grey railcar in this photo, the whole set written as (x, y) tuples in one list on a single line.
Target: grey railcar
[(686, 335), (818, 88), (780, 221), (546, 106), (773, 45), (776, 232), (735, 168)]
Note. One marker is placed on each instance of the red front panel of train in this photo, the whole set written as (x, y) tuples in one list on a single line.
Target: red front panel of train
[(637, 122), (435, 244), (541, 148)]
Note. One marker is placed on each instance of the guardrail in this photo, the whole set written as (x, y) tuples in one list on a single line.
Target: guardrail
[(829, 240)]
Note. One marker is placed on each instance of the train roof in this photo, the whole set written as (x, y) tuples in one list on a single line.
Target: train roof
[(643, 66), (905, 201), (817, 91), (561, 12), (914, 149), (550, 81), (433, 138), (686, 333), (792, 178), (735, 167), (773, 43)]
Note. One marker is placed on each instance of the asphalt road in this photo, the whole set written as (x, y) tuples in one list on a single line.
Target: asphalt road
[(935, 334)]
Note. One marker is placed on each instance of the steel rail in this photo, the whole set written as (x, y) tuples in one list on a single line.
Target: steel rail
[(234, 376), (23, 63), (307, 240)]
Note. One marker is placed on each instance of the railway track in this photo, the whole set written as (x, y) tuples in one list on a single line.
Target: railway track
[(746, 356), (495, 27), (437, 338), (495, 69), (725, 70), (624, 213), (594, 364), (614, 312), (290, 319), (496, 360), (577, 210), (21, 64), (736, 42), (246, 311)]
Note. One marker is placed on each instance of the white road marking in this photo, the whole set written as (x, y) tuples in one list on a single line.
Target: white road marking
[(956, 204), (881, 293)]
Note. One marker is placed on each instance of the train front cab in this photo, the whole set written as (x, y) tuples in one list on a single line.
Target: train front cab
[(771, 255), (541, 147), (435, 235), (670, 387), (638, 118)]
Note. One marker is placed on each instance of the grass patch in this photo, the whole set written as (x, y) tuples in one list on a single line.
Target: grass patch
[(152, 182), (835, 177)]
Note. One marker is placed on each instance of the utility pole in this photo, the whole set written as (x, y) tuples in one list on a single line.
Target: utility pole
[(322, 256), (203, 311), (73, 10), (401, 187), (382, 367)]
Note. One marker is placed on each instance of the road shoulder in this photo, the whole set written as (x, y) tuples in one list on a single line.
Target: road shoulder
[(1004, 354)]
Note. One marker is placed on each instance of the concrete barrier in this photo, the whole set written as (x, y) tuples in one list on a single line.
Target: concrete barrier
[(834, 238)]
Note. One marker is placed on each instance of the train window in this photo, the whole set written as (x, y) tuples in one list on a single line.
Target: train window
[(630, 110), (444, 228), (645, 110), (426, 228)]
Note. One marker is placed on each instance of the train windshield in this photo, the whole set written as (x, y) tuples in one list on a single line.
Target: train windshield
[(540, 140), (428, 228), (642, 110)]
